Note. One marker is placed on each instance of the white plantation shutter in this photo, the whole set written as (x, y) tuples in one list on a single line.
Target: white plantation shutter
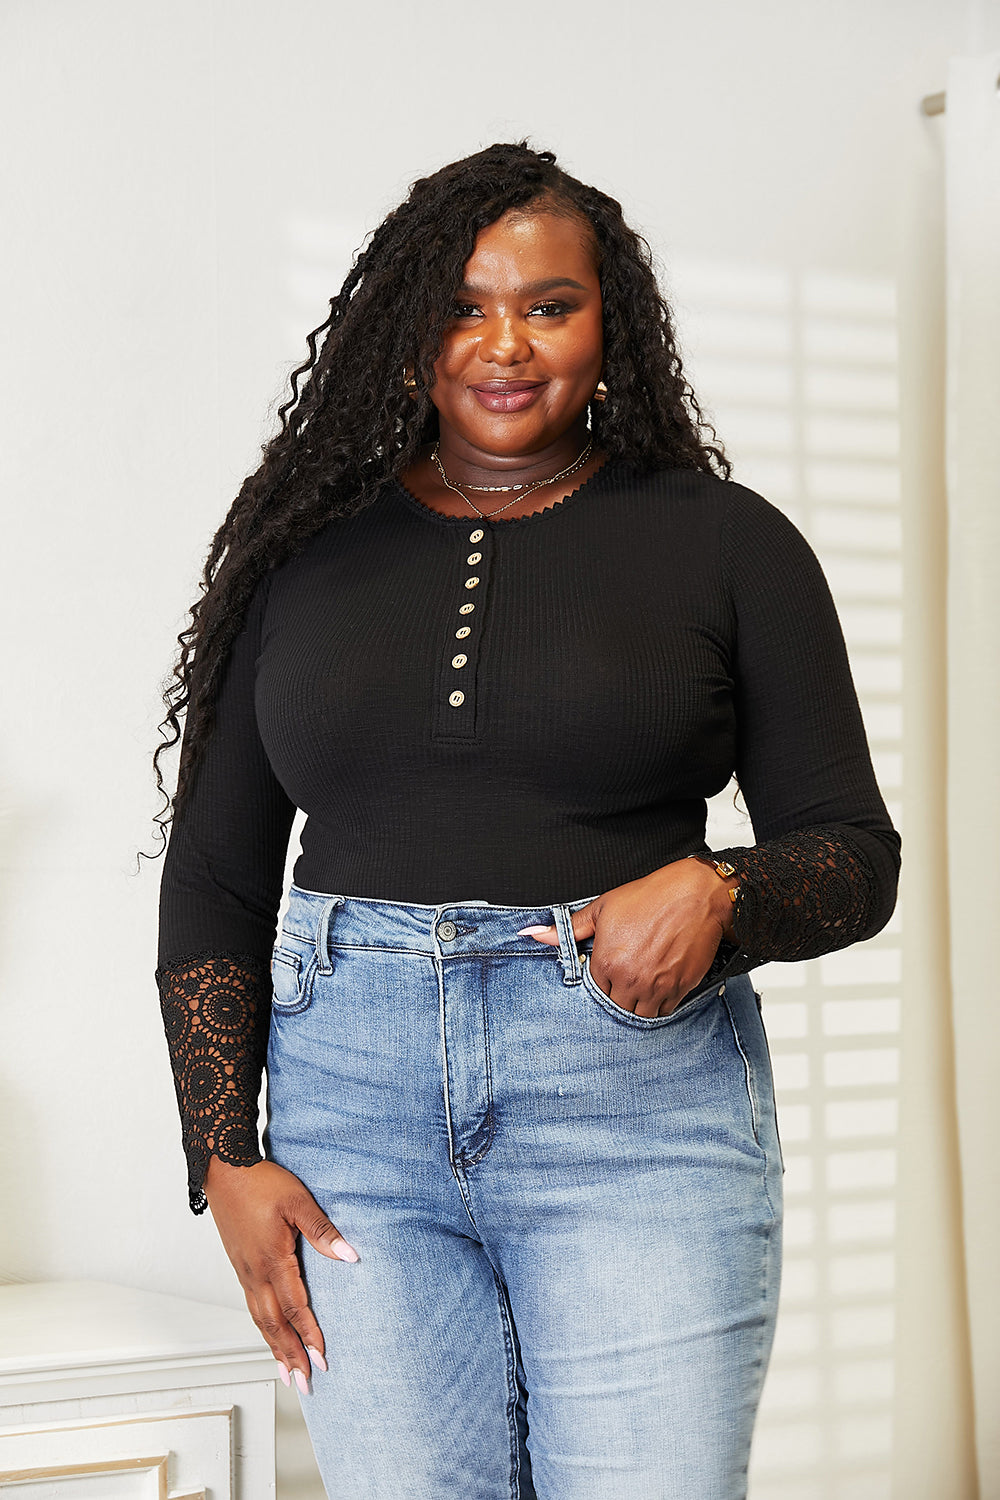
[(804, 391)]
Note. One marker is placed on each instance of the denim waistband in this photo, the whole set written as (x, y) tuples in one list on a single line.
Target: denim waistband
[(446, 930)]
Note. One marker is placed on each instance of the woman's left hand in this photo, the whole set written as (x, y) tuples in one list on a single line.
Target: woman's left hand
[(654, 938)]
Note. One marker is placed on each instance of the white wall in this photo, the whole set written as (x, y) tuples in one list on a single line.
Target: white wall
[(183, 187)]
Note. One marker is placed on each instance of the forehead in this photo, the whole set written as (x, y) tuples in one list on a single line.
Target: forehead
[(524, 246)]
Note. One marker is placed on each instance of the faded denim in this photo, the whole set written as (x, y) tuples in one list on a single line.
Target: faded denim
[(568, 1217)]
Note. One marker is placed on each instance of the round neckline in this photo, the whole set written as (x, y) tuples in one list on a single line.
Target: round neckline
[(498, 522)]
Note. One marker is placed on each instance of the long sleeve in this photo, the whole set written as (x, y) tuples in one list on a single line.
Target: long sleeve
[(823, 872), (219, 897)]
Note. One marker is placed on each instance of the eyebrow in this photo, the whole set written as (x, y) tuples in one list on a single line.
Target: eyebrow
[(532, 288)]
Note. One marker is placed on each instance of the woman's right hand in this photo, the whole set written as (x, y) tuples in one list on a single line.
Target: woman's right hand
[(259, 1212)]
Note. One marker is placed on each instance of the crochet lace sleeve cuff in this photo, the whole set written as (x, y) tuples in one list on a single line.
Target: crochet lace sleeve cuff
[(216, 1012), (800, 895)]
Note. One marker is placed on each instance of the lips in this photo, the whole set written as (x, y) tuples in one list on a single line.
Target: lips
[(506, 395)]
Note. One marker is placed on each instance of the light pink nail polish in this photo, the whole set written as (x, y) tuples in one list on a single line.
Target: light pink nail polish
[(316, 1357), (301, 1382), (533, 931), (283, 1372), (343, 1251)]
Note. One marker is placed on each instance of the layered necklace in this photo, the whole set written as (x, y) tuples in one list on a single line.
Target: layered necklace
[(496, 489)]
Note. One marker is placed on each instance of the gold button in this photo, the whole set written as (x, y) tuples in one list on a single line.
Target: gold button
[(459, 660), (466, 609), (473, 558), (477, 535), (462, 632), (456, 700), (472, 583)]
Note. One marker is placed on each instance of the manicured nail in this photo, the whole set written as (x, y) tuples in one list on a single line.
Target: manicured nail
[(283, 1372), (301, 1382), (533, 931), (343, 1251), (316, 1357)]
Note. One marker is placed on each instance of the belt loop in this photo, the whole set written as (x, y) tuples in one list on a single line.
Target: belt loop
[(563, 918), (323, 935)]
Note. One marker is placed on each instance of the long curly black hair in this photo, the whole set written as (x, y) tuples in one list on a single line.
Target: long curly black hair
[(349, 423)]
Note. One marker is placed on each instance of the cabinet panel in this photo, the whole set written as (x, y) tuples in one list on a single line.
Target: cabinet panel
[(171, 1455)]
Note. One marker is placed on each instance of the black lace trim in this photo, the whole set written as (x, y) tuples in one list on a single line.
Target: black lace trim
[(801, 895), (216, 1014)]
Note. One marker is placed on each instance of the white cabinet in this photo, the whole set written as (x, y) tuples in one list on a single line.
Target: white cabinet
[(107, 1393)]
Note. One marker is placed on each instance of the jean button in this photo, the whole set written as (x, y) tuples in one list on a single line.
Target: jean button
[(447, 931)]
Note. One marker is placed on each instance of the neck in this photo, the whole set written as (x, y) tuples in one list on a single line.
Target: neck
[(468, 465)]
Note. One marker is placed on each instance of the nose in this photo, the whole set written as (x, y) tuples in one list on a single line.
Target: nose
[(503, 341)]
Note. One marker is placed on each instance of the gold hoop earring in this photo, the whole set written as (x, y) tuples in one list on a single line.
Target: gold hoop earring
[(601, 394), (410, 384)]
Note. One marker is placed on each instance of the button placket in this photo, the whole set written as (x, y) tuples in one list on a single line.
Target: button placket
[(455, 716)]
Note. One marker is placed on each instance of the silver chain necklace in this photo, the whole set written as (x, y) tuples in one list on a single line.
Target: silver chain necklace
[(523, 489)]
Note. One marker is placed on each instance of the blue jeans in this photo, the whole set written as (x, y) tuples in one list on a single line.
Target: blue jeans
[(568, 1216)]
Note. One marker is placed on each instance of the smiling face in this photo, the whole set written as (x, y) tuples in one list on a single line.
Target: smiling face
[(523, 351)]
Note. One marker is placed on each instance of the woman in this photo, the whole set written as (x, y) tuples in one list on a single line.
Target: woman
[(492, 612)]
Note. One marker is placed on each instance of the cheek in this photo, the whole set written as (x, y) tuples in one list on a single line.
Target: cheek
[(579, 359), (581, 350), (448, 368)]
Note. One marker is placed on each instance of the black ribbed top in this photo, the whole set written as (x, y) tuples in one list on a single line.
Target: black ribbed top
[(521, 711), (524, 712)]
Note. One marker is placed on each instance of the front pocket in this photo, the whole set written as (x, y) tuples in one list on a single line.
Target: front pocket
[(291, 981), (629, 1017)]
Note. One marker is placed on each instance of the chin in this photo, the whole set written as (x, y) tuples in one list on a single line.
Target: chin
[(512, 432)]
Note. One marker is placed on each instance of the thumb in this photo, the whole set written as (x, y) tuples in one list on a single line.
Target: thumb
[(314, 1226), (583, 922), (583, 927)]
